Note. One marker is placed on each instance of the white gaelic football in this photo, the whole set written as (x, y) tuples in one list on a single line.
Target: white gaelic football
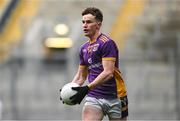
[(67, 92)]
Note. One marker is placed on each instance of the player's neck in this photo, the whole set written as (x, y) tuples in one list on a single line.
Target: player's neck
[(93, 38)]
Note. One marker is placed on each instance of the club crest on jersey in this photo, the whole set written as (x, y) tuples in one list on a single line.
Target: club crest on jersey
[(95, 47)]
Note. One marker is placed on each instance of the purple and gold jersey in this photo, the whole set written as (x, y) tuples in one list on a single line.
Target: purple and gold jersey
[(91, 56)]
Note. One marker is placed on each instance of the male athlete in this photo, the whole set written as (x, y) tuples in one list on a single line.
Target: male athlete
[(106, 92)]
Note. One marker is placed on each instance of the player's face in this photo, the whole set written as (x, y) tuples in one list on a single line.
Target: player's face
[(90, 25)]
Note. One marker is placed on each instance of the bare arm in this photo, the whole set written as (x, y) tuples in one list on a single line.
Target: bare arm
[(105, 75), (80, 76)]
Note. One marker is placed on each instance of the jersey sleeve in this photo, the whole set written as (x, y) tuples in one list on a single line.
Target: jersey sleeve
[(109, 50)]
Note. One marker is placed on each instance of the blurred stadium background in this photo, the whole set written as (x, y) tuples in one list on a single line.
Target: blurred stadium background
[(32, 71)]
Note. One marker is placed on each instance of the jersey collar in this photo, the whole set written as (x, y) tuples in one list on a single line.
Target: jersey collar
[(93, 41)]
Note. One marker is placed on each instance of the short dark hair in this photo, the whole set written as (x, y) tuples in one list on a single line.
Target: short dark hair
[(95, 12)]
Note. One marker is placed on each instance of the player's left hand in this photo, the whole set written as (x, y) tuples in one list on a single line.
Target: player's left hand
[(81, 93)]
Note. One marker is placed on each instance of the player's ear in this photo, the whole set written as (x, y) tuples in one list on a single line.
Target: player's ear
[(99, 24)]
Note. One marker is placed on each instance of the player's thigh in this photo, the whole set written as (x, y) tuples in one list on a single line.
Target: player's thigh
[(91, 113), (122, 119)]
